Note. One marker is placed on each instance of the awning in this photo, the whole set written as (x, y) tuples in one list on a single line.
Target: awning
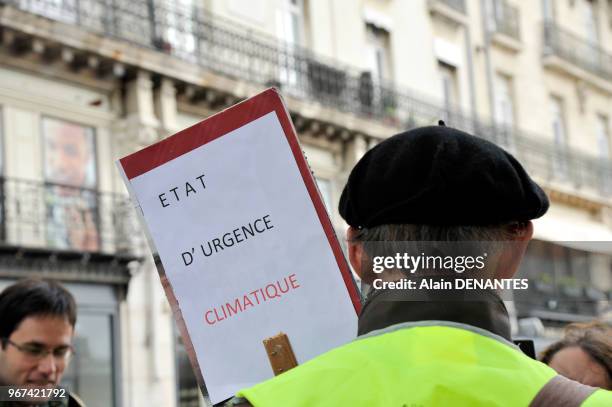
[(447, 52), (582, 234), (377, 19)]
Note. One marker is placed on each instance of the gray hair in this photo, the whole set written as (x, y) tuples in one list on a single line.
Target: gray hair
[(405, 232), (387, 240)]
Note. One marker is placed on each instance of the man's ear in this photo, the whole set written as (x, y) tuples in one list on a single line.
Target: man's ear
[(522, 231), (355, 252), (510, 260)]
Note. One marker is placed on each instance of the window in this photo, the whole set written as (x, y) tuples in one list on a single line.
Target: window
[(91, 373), (559, 137), (603, 137), (450, 89), (504, 108), (290, 28), (374, 97), (548, 10), (590, 26), (378, 54), (590, 21), (504, 101), (603, 144), (494, 14), (94, 370), (71, 180), (294, 22), (178, 19)]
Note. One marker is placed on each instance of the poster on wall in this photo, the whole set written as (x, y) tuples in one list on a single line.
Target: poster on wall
[(244, 245), (70, 189)]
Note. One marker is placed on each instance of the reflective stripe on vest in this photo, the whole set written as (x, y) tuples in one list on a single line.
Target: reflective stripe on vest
[(562, 392), (427, 364)]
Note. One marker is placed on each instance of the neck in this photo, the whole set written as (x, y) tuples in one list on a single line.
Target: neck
[(384, 308)]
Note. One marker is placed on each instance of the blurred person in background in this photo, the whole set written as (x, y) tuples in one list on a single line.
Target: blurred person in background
[(584, 354), (37, 320)]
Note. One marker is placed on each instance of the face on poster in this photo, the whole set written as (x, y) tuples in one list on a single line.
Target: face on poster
[(244, 250), (70, 172), (69, 153)]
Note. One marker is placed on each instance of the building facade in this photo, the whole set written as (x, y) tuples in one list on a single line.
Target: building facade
[(85, 82)]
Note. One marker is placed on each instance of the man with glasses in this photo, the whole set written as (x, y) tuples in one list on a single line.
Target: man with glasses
[(37, 321)]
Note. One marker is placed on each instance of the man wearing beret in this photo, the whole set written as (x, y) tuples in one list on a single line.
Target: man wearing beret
[(439, 347)]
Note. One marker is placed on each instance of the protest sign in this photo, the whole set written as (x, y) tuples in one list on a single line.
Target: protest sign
[(245, 243)]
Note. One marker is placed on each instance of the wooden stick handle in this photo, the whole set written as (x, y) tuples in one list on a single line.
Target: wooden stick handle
[(280, 353)]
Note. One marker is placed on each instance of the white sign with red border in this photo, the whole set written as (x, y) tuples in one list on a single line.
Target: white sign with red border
[(245, 243)]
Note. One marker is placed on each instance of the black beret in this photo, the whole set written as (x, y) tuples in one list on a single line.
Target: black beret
[(439, 176)]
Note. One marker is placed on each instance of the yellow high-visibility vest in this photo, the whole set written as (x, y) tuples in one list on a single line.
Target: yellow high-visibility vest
[(435, 363)]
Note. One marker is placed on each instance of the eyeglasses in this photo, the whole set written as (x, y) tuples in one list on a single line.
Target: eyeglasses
[(36, 351)]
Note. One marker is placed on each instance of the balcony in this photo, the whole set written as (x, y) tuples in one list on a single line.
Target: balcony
[(574, 55), (224, 48), (452, 11), (504, 25), (86, 228), (564, 170)]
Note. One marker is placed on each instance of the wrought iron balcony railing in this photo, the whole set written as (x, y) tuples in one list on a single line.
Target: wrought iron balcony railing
[(551, 163), (227, 48), (63, 218), (577, 51), (505, 19)]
